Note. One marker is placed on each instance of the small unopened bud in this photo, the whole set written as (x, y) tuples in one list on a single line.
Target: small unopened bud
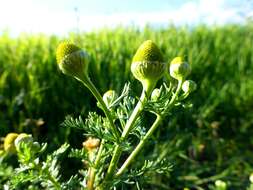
[(72, 60), (189, 86), (155, 94), (23, 138), (91, 143), (109, 97), (251, 178), (221, 185), (36, 146), (147, 65), (9, 142), (179, 69)]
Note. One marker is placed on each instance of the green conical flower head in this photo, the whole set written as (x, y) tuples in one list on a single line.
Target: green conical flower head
[(148, 51), (65, 48), (148, 66), (179, 69), (72, 60)]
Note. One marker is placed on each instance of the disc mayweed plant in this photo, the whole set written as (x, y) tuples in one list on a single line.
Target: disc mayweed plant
[(116, 138), (148, 66)]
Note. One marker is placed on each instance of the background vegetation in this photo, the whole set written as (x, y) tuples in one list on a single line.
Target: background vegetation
[(210, 141)]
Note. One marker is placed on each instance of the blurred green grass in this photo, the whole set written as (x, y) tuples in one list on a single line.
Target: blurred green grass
[(214, 137)]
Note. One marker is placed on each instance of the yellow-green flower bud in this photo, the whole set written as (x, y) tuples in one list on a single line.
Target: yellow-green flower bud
[(72, 60), (23, 138), (9, 142), (109, 97), (155, 94), (251, 178), (147, 65), (189, 86), (221, 185), (179, 69)]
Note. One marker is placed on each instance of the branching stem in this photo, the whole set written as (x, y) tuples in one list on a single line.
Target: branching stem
[(135, 114), (149, 133), (116, 155), (97, 95), (140, 145)]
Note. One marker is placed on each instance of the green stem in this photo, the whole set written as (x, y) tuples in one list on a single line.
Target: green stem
[(149, 133), (90, 183), (135, 114), (94, 91), (179, 85), (97, 95), (56, 184), (117, 152), (140, 145)]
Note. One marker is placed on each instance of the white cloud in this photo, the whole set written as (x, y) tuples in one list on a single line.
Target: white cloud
[(28, 16), (204, 11)]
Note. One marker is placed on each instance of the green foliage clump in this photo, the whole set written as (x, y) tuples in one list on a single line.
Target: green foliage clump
[(207, 143)]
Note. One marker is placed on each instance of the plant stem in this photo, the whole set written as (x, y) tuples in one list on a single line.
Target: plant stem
[(149, 133), (117, 152), (140, 145), (136, 112), (91, 179), (179, 85), (97, 95)]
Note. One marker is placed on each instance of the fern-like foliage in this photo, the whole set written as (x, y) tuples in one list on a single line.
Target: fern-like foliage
[(35, 172), (94, 126)]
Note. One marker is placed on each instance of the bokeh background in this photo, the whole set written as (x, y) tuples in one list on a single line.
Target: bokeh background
[(208, 142)]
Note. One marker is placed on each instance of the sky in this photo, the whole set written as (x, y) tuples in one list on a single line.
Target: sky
[(62, 16)]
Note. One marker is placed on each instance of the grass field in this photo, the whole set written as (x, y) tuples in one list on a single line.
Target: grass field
[(210, 141)]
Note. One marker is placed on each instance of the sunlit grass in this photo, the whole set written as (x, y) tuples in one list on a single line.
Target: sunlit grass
[(31, 86)]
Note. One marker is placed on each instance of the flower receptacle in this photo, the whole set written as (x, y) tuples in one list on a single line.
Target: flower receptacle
[(147, 65), (72, 60), (189, 86), (179, 69)]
